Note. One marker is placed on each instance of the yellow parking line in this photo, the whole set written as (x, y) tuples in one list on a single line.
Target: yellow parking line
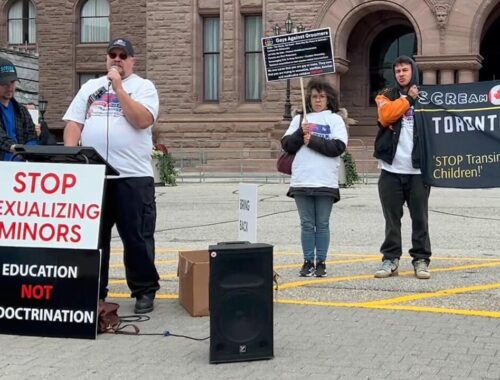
[(379, 256), (324, 280), (439, 293), (330, 262), (157, 296), (478, 313), (439, 310), (162, 277), (120, 265)]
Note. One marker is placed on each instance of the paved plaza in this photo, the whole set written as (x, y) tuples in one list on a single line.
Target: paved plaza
[(348, 325)]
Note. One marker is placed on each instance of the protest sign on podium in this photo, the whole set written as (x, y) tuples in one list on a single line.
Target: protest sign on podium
[(50, 214)]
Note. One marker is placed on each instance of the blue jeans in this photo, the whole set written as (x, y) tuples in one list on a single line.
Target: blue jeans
[(314, 213)]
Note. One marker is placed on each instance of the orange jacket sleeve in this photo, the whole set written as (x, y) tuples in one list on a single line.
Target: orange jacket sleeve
[(390, 111)]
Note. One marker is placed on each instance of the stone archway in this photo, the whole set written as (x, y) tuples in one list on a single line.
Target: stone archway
[(489, 46), (354, 29)]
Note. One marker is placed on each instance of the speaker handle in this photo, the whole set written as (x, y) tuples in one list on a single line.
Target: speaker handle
[(232, 242)]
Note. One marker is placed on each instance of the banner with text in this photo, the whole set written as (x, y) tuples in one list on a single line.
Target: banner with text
[(460, 127), (50, 205), (299, 54), (49, 292)]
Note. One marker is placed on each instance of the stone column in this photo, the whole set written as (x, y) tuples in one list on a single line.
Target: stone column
[(447, 76), (467, 66), (341, 67), (429, 77), (466, 76)]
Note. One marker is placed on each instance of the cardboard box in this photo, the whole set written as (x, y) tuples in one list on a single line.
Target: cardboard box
[(193, 271)]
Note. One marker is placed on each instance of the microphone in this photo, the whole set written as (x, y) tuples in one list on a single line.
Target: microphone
[(110, 82)]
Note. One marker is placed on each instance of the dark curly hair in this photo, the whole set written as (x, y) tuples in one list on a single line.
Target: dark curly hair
[(320, 84)]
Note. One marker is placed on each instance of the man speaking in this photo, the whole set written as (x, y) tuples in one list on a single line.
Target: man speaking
[(114, 114)]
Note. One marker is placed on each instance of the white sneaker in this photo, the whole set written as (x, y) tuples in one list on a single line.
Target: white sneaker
[(389, 268)]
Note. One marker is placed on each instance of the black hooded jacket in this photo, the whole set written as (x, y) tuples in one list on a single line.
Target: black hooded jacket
[(387, 138)]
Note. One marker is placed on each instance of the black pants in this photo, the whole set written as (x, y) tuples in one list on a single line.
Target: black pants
[(130, 204), (394, 190)]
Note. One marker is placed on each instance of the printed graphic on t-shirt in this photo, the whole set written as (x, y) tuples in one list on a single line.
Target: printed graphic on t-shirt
[(408, 118), (99, 107), (320, 130)]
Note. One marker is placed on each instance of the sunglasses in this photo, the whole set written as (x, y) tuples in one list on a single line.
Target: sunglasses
[(123, 56)]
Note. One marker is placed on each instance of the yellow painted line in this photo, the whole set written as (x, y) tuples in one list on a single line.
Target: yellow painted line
[(439, 293), (120, 265), (494, 263), (438, 310), (160, 250), (285, 253), (119, 251), (379, 256), (167, 276), (162, 277), (117, 282), (331, 262), (324, 280)]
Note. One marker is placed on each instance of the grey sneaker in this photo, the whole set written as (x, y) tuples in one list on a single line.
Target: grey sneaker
[(421, 269), (307, 269), (389, 268)]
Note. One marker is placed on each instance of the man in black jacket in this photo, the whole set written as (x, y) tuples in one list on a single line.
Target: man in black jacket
[(397, 148)]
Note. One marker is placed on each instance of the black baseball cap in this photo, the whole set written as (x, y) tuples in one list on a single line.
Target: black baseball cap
[(8, 72), (122, 43)]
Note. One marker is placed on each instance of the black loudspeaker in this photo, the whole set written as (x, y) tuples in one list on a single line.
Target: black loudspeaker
[(241, 302)]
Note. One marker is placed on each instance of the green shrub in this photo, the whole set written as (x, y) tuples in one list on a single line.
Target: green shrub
[(351, 173), (165, 164)]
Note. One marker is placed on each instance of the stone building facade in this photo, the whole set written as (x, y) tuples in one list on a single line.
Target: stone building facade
[(451, 40)]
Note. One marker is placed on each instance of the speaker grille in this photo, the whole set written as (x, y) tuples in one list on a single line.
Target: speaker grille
[(241, 302), (243, 316)]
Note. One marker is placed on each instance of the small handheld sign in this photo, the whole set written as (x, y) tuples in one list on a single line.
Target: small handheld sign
[(299, 54)]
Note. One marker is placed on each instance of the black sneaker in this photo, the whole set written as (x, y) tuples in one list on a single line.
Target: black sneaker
[(307, 269), (320, 269)]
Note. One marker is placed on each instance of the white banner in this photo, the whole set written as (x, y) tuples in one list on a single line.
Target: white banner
[(50, 205)]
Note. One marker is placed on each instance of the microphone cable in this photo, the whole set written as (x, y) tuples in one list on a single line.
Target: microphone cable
[(107, 121)]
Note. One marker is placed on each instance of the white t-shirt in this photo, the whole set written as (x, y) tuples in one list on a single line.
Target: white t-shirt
[(401, 163), (106, 129), (313, 169)]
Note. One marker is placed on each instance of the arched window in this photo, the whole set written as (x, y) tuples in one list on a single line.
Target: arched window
[(22, 22), (95, 21), (388, 45)]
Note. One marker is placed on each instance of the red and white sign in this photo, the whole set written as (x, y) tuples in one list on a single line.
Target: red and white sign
[(50, 205)]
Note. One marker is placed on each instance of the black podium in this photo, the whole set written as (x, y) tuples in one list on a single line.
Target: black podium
[(63, 154)]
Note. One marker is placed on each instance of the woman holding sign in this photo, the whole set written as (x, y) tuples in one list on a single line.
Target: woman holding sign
[(317, 139)]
